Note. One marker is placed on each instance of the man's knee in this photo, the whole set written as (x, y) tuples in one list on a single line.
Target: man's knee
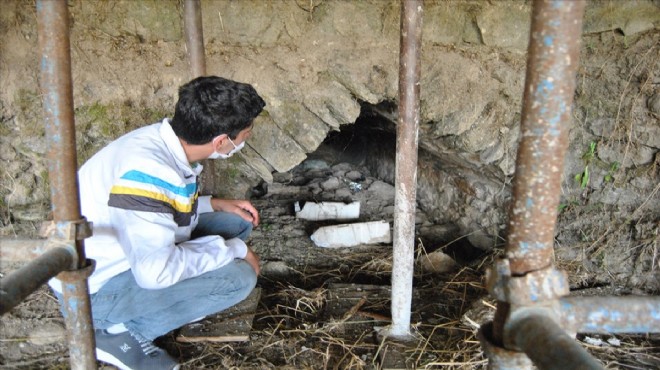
[(227, 225), (236, 280), (246, 230), (249, 277)]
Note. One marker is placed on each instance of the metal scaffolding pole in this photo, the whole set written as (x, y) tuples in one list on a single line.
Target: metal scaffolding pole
[(406, 167), (549, 88), (526, 279), (17, 285), (57, 91), (629, 314), (534, 314), (548, 345), (192, 22)]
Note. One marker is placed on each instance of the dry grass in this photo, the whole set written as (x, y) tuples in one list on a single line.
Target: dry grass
[(634, 352), (296, 328)]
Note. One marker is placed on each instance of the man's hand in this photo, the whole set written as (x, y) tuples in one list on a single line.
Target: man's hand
[(253, 260), (243, 208)]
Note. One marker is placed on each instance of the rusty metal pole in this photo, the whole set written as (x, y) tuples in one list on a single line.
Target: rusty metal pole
[(17, 285), (629, 314), (549, 88), (500, 358), (549, 347), (57, 91), (550, 85), (192, 20), (406, 167), (77, 311)]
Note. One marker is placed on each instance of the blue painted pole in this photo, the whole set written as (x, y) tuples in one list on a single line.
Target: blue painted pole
[(57, 92), (627, 314), (552, 62)]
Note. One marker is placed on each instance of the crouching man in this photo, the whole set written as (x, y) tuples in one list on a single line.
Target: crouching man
[(166, 256)]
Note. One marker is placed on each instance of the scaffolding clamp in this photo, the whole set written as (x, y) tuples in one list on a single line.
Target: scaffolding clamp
[(536, 294), (533, 288), (66, 230), (65, 234)]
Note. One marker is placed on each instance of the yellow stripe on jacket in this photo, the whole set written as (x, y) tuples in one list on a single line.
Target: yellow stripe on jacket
[(178, 206)]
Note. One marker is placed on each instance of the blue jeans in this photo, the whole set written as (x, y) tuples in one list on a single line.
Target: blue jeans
[(153, 313)]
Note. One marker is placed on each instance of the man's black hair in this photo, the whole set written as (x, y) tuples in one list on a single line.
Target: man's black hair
[(210, 106)]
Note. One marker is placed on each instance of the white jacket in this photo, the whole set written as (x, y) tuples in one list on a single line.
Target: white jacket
[(141, 195)]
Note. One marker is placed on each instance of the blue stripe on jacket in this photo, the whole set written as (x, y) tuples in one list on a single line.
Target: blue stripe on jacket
[(138, 176)]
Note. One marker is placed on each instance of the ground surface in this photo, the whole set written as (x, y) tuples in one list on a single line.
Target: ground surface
[(308, 318)]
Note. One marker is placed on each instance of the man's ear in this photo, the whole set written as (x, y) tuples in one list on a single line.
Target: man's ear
[(219, 141)]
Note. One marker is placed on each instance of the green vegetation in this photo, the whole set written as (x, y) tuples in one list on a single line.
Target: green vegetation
[(89, 117), (99, 123), (30, 116), (589, 157), (232, 172), (44, 181), (152, 115), (583, 178), (590, 45), (567, 205), (97, 115), (609, 177)]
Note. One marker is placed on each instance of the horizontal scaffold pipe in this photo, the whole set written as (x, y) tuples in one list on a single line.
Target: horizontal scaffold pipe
[(548, 345), (18, 284), (628, 314)]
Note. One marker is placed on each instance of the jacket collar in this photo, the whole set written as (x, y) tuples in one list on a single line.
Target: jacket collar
[(176, 149)]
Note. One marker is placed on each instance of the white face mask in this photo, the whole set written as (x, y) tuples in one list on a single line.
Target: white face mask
[(216, 155)]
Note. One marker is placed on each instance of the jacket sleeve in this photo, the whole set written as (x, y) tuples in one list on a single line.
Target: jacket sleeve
[(148, 240), (204, 205)]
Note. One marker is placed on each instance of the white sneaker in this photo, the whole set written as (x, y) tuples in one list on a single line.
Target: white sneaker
[(129, 351)]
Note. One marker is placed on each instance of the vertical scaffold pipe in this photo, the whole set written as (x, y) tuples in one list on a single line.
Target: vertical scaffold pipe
[(552, 63), (192, 22), (406, 167), (550, 84), (194, 37), (57, 91)]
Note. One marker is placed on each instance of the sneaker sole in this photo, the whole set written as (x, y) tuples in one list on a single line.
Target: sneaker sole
[(110, 359), (106, 357)]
